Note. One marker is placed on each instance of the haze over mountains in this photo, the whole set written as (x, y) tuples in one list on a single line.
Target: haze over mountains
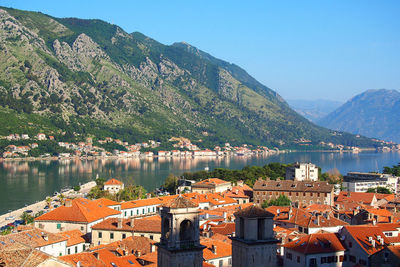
[(314, 110), (91, 78), (373, 113)]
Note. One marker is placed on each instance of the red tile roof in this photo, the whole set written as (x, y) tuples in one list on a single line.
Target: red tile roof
[(358, 197), (210, 182), (316, 243), (81, 210), (144, 225), (35, 238), (361, 233), (74, 237), (223, 249), (113, 181)]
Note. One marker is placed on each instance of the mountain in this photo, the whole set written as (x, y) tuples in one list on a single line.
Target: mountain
[(313, 110), (374, 113), (77, 77)]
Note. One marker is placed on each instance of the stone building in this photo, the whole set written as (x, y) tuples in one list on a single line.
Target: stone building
[(302, 172), (301, 193), (254, 243), (211, 185), (180, 235)]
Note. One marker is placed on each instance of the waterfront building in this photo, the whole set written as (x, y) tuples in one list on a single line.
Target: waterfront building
[(301, 193), (254, 243), (361, 181), (302, 172), (211, 185), (313, 250), (180, 238), (113, 186), (78, 213), (117, 229)]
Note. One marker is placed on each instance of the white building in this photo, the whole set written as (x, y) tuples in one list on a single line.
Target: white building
[(302, 172), (361, 182), (113, 186)]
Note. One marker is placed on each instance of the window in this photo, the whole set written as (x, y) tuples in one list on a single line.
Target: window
[(311, 194), (154, 209), (111, 235), (125, 213), (100, 235), (230, 261), (131, 212), (350, 244), (323, 260), (76, 249), (123, 236), (58, 225), (362, 262), (297, 194), (137, 212), (341, 258), (221, 263), (83, 247), (298, 259), (151, 237), (143, 211), (352, 258), (289, 256), (304, 194), (313, 262), (82, 228), (69, 251)]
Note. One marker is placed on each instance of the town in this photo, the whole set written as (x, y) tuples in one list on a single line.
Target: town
[(296, 220), (182, 147)]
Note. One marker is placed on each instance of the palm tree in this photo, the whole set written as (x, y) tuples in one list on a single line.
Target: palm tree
[(48, 201), (27, 218), (62, 199)]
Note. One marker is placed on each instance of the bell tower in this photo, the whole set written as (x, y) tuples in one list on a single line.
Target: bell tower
[(180, 235), (254, 243)]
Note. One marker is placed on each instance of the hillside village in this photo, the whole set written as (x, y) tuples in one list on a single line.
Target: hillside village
[(214, 223)]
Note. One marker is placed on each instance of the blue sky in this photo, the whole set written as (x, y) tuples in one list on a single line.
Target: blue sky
[(301, 49)]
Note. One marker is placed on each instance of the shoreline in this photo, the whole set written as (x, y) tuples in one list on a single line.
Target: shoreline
[(39, 205), (184, 157)]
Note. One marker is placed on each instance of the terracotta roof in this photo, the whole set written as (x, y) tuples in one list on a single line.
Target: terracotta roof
[(395, 250), (105, 202), (223, 228), (86, 259), (223, 249), (19, 255), (316, 243), (210, 182), (361, 233), (81, 210), (293, 186), (73, 237), (34, 238), (149, 258), (253, 211), (220, 237), (113, 181), (130, 245), (180, 203), (358, 197), (145, 225)]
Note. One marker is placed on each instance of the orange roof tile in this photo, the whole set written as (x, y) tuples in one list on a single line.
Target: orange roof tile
[(316, 243), (81, 210), (361, 233), (74, 237), (113, 181), (144, 225), (358, 197), (210, 182), (223, 249), (35, 238)]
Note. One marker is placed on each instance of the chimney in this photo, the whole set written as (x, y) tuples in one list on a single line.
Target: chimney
[(373, 243), (373, 222), (290, 212), (317, 215), (68, 203), (45, 237), (390, 219), (224, 215), (214, 249), (132, 222), (119, 223), (138, 253)]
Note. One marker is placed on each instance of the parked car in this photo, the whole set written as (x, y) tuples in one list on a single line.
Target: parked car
[(10, 218), (46, 207), (29, 211)]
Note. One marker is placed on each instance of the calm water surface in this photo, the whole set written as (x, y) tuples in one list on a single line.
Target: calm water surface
[(27, 182)]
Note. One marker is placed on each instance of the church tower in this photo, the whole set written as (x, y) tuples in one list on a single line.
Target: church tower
[(180, 235), (254, 243)]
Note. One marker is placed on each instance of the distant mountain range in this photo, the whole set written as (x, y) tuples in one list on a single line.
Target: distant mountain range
[(314, 110), (81, 77), (374, 113)]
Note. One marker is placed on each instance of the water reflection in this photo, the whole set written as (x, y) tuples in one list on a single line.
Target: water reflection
[(27, 182)]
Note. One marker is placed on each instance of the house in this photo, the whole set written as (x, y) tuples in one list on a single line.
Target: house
[(302, 193), (242, 193), (361, 182), (18, 254), (113, 186), (305, 222), (79, 213), (387, 257), (41, 136), (44, 241), (362, 242), (369, 199), (211, 185), (117, 229), (325, 249), (76, 243), (302, 172), (217, 252)]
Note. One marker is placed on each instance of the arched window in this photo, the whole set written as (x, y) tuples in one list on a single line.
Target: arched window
[(166, 228), (186, 230)]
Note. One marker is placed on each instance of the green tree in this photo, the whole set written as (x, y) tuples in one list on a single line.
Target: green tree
[(61, 197), (77, 188), (48, 201), (27, 218), (282, 200), (379, 190), (171, 183)]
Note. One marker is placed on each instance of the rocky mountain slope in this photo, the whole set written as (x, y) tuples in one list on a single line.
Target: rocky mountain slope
[(374, 113), (91, 78)]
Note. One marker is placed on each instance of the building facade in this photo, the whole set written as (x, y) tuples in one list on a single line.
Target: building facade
[(302, 172), (361, 182)]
